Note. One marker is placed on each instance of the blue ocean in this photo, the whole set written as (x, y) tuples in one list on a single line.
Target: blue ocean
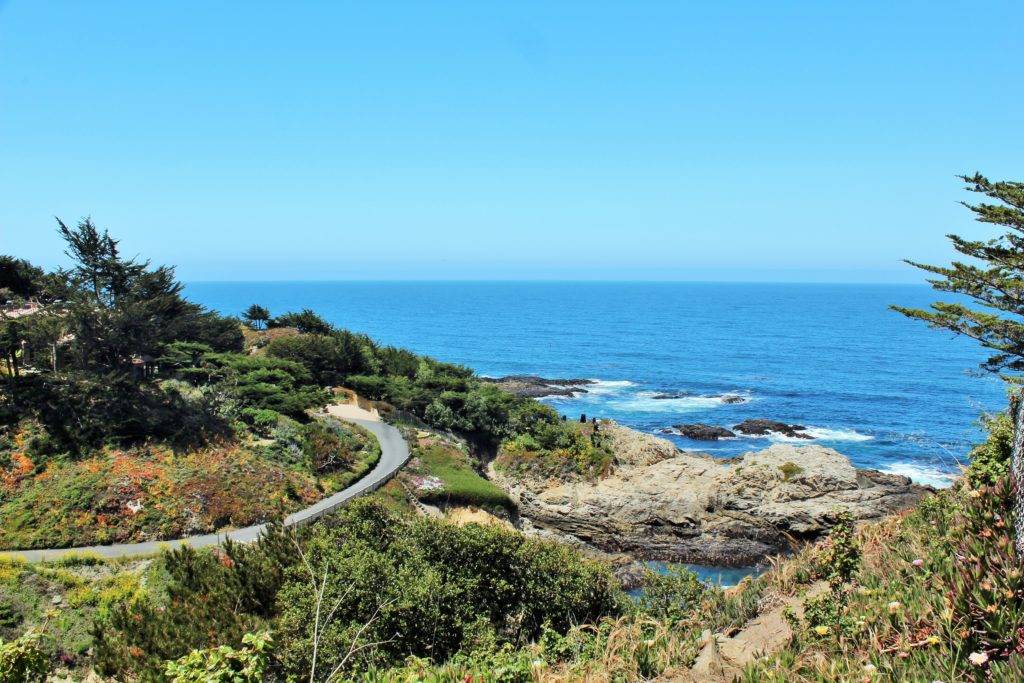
[(886, 391)]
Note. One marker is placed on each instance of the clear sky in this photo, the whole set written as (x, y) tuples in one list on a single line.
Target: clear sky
[(480, 140)]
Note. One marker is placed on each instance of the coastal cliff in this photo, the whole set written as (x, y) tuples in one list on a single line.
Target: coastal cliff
[(662, 503)]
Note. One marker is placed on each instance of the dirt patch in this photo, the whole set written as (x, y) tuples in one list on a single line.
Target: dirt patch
[(465, 515), (349, 411)]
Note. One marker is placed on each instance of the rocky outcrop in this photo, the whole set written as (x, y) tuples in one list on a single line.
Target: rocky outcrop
[(702, 432), (766, 427), (532, 386), (662, 503), (724, 398)]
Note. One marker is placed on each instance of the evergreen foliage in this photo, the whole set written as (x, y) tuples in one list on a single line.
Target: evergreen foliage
[(994, 280), (256, 316)]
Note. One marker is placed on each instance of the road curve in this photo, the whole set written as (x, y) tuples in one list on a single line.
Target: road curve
[(394, 452)]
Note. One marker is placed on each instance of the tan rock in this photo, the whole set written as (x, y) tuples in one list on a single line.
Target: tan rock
[(662, 503)]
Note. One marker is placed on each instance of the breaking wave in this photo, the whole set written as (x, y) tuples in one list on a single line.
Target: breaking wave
[(921, 474), (823, 434)]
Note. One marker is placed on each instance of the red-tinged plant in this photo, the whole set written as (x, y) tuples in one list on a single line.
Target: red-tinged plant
[(987, 589)]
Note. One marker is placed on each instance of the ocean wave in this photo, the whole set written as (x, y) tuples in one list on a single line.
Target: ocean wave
[(601, 387), (822, 434), (921, 474), (645, 402)]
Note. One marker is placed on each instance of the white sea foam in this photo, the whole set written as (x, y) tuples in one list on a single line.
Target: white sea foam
[(644, 402), (822, 434), (601, 387), (921, 474)]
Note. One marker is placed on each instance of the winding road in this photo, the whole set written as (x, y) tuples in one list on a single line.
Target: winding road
[(394, 453)]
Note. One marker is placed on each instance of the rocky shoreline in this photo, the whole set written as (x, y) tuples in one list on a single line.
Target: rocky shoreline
[(661, 503), (534, 386)]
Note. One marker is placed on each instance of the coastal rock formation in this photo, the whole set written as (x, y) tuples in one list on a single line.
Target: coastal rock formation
[(532, 386), (703, 432), (766, 427), (662, 503), (724, 398)]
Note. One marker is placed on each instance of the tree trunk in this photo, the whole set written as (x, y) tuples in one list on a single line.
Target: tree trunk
[(1017, 469)]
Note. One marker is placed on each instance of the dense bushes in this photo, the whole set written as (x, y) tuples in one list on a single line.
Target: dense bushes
[(329, 358), (82, 412), (305, 321), (209, 598), (426, 588), (225, 664), (19, 280), (258, 382), (333, 449), (388, 588)]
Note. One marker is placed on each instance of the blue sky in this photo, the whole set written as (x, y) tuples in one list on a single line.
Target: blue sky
[(467, 140)]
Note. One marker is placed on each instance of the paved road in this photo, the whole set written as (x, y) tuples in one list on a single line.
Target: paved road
[(394, 453)]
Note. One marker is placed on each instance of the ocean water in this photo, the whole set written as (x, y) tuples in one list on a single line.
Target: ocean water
[(725, 577), (886, 391)]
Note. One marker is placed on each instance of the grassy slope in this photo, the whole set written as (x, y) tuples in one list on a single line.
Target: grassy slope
[(440, 462)]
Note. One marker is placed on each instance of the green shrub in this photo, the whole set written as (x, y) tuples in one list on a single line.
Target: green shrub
[(224, 664), (840, 555), (262, 420), (23, 660), (322, 445), (557, 449), (305, 321), (790, 470), (396, 588), (329, 358), (990, 461), (672, 596), (208, 598)]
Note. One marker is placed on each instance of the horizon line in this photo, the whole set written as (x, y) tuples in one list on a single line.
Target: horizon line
[(545, 281)]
